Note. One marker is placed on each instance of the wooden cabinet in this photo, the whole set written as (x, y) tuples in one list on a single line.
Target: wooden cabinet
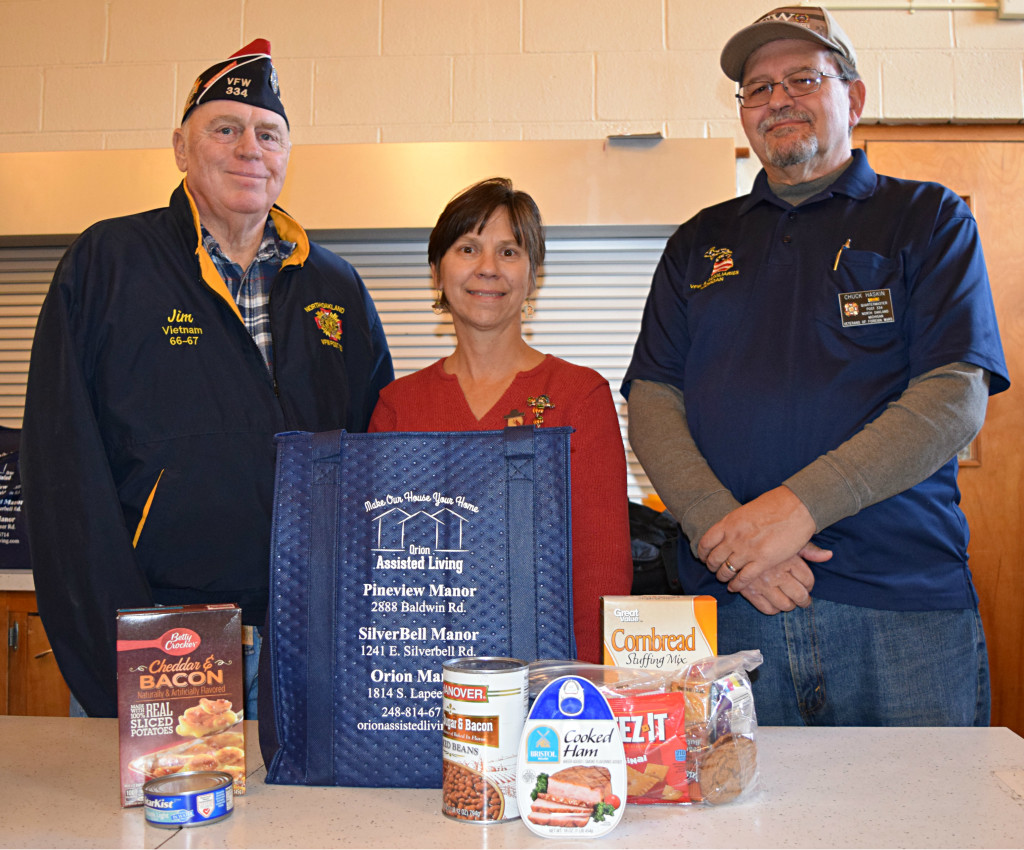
[(30, 682)]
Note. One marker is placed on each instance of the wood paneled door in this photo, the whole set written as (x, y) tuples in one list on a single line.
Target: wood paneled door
[(991, 175)]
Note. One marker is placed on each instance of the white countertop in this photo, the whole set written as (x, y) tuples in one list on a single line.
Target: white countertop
[(818, 788), (16, 580)]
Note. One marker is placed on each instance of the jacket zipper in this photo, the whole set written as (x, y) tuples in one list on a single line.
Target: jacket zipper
[(273, 343), (245, 330)]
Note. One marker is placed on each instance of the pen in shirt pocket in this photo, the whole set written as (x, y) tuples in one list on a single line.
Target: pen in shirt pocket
[(839, 254)]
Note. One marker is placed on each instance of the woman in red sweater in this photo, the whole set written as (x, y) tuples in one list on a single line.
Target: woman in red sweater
[(484, 253)]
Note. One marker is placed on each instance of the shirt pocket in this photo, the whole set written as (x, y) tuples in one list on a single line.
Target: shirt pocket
[(863, 272)]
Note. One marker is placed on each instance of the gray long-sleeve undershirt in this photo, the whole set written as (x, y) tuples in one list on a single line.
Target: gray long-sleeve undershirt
[(938, 414)]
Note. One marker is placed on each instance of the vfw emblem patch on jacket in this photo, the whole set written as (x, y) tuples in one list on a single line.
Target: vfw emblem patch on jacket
[(328, 319)]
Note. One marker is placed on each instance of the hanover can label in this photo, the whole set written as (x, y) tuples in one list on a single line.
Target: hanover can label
[(485, 702)]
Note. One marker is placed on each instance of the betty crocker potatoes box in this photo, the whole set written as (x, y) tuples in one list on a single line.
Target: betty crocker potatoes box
[(658, 631), (180, 694)]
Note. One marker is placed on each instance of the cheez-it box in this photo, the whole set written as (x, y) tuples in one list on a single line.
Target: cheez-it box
[(180, 694), (658, 631)]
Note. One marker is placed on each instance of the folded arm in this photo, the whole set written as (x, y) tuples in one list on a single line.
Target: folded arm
[(691, 491), (938, 414)]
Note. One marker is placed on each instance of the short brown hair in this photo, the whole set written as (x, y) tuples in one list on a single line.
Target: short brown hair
[(471, 209)]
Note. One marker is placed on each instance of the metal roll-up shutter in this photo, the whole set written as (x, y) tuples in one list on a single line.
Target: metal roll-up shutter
[(590, 298), (25, 273)]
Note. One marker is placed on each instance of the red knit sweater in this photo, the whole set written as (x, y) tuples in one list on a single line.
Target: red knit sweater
[(432, 400)]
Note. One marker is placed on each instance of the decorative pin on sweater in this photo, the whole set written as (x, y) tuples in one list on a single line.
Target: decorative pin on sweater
[(539, 404)]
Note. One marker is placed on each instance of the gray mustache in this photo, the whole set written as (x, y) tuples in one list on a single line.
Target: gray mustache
[(772, 120)]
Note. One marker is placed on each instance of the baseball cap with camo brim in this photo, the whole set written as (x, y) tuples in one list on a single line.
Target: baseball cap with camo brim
[(246, 76), (809, 23)]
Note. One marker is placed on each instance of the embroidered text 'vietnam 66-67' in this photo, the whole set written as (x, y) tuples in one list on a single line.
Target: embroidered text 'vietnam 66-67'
[(181, 328)]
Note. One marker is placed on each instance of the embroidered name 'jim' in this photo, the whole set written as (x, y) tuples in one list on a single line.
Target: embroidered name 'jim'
[(181, 329)]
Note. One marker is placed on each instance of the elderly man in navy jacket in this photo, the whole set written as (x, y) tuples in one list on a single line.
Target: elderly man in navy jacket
[(171, 347)]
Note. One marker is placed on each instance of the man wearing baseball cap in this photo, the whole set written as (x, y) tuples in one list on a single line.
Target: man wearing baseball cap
[(812, 357), (171, 347)]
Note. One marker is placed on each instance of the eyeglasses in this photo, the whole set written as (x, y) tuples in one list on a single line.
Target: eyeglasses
[(797, 84)]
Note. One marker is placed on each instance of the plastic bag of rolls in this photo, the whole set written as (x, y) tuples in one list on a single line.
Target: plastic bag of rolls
[(690, 733)]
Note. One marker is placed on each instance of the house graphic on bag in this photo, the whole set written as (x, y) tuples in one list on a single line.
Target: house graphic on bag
[(441, 531)]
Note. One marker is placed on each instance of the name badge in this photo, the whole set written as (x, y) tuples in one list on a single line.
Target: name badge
[(872, 307)]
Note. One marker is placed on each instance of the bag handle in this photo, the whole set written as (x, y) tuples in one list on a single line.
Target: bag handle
[(322, 608), (519, 457)]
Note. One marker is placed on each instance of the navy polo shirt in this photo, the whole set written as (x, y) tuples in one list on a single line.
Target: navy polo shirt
[(790, 328)]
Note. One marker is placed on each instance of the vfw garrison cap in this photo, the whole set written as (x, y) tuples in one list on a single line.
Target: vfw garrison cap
[(247, 76), (809, 23)]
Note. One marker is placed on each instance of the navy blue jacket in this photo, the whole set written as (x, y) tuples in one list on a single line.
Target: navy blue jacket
[(147, 445)]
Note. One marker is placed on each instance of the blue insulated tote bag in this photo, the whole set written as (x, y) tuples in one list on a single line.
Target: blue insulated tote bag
[(390, 554)]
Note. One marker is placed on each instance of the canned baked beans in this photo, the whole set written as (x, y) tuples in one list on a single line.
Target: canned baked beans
[(485, 702)]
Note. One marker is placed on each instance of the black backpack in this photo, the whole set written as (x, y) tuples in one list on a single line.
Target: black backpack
[(655, 540)]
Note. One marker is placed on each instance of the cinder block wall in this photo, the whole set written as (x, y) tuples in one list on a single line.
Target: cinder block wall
[(99, 74)]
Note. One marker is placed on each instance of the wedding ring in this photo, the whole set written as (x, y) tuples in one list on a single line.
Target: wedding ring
[(730, 567)]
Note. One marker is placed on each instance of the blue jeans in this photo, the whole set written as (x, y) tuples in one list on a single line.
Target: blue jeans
[(250, 671), (841, 665)]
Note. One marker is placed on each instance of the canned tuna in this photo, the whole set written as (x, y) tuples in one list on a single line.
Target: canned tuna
[(188, 799)]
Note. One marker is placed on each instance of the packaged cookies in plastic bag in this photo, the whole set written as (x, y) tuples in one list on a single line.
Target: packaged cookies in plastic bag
[(690, 733)]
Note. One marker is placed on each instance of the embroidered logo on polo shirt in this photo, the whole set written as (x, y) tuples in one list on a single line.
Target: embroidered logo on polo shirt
[(721, 267), (328, 319)]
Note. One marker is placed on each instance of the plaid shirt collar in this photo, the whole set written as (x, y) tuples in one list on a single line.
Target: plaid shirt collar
[(272, 250), (251, 288)]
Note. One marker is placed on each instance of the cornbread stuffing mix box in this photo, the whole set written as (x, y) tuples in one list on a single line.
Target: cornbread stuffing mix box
[(180, 694), (658, 631)]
